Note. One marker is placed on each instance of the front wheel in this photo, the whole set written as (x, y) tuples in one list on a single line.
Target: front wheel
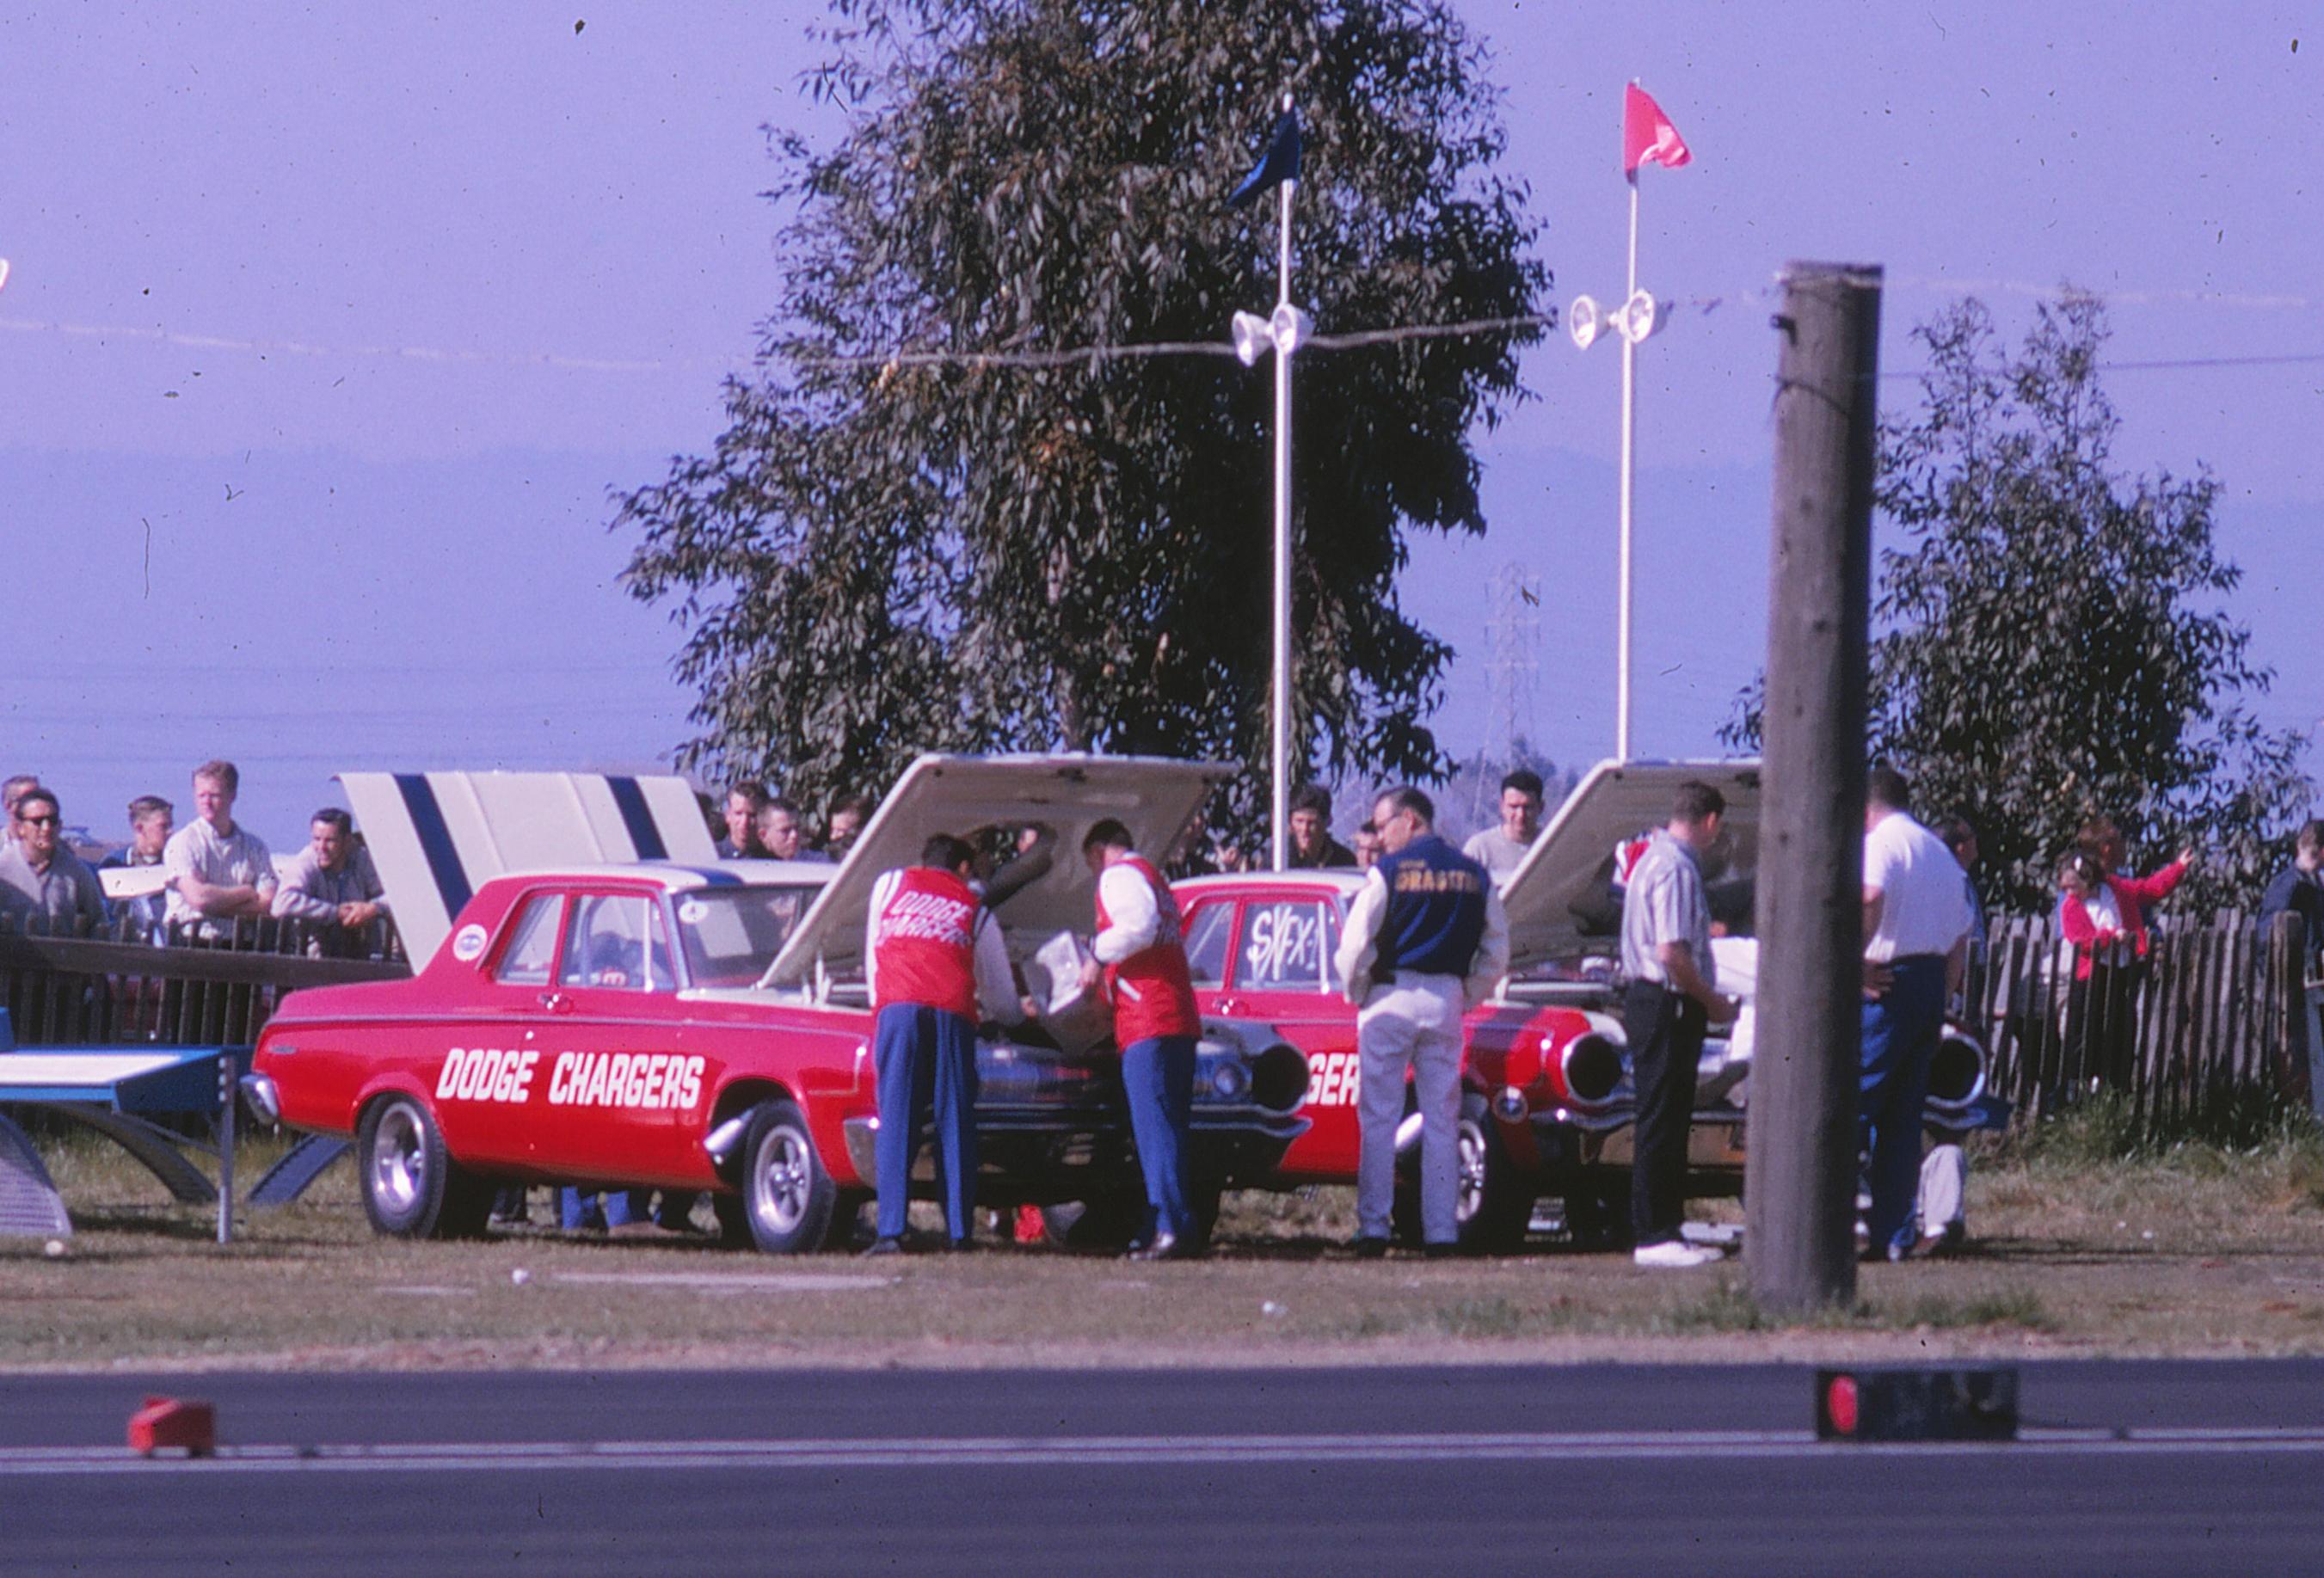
[(412, 1186), (787, 1200)]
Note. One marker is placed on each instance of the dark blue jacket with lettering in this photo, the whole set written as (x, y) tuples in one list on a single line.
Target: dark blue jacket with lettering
[(1436, 913)]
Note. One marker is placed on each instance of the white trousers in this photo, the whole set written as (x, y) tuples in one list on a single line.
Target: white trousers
[(1416, 1025), (1944, 1177)]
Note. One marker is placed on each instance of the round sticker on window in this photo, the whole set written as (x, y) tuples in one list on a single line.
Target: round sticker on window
[(694, 912), (469, 942)]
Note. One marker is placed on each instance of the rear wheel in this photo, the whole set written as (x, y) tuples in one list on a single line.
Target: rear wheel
[(787, 1200), (412, 1186)]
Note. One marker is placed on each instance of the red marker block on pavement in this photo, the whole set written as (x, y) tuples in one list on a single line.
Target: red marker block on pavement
[(171, 1422), (1917, 1404)]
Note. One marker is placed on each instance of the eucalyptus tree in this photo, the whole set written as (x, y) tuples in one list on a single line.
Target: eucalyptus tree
[(962, 502)]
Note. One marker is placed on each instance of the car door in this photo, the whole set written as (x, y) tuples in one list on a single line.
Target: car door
[(489, 1085), (1279, 973), (619, 1084)]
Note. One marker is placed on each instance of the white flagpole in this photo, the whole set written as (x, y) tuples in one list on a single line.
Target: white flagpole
[(1281, 807), (1629, 430)]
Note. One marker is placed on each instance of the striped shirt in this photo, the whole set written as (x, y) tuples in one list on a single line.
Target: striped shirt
[(1665, 903)]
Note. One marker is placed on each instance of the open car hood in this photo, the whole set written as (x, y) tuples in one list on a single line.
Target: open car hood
[(1560, 898), (435, 837), (1155, 797)]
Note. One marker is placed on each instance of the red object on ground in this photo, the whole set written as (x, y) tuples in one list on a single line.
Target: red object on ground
[(1840, 1404), (166, 1422), (1028, 1227)]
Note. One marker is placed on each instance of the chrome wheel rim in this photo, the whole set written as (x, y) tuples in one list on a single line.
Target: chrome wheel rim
[(1471, 1193), (782, 1173), (399, 1159)]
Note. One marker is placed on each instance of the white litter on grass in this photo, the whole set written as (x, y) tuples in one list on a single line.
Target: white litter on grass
[(728, 1282), (1270, 1308), (520, 1276), (54, 1249)]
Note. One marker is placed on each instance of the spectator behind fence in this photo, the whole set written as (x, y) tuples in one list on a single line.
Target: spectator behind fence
[(151, 819), (44, 886), (2103, 841), (1500, 849), (744, 801), (784, 833), (217, 871), (1311, 843), (333, 887), (2299, 890), (846, 820), (1959, 835), (11, 790)]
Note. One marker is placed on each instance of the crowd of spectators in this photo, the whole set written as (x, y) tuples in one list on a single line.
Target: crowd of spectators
[(195, 884)]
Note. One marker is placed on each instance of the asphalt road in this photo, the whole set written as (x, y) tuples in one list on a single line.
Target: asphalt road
[(2121, 1468)]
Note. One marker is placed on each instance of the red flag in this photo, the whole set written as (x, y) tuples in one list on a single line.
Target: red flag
[(1648, 135)]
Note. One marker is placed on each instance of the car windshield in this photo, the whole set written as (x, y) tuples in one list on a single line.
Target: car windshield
[(730, 934)]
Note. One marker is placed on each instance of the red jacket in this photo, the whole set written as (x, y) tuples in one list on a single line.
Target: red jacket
[(1152, 991), (2130, 895), (924, 936)]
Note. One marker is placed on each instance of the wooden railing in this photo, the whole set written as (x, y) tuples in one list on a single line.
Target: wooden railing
[(2211, 1021), (185, 989)]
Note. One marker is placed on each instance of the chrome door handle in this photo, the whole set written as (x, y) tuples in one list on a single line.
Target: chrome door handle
[(556, 1003)]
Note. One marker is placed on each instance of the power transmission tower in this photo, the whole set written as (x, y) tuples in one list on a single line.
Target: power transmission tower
[(1512, 671)]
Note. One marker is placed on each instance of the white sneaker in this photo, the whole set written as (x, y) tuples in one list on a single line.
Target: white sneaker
[(1674, 1253)]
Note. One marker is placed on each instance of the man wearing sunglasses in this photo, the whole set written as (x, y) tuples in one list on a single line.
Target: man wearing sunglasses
[(43, 884)]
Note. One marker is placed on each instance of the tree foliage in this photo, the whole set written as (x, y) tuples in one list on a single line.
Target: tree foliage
[(2050, 636), (884, 555)]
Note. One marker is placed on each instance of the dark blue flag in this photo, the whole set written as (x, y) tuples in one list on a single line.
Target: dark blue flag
[(1278, 164)]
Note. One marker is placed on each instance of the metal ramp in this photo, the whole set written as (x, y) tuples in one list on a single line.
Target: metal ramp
[(29, 1205), (300, 1166)]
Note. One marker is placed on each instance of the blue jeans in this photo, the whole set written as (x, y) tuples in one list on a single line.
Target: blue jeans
[(1901, 1028), (1158, 1076), (925, 1059), (622, 1206)]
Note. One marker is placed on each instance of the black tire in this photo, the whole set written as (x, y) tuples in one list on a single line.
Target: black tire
[(787, 1200), (412, 1186), (1496, 1198)]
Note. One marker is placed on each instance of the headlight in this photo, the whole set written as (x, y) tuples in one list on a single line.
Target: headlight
[(1231, 1081)]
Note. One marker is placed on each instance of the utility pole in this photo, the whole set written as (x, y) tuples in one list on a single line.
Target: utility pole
[(1800, 1171)]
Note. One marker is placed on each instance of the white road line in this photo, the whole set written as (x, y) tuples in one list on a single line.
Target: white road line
[(1070, 1451)]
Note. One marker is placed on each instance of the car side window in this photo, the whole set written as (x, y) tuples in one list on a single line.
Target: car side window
[(611, 942), (1207, 931), (532, 943), (1282, 947)]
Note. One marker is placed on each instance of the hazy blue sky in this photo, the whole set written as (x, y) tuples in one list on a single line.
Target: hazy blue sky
[(330, 327)]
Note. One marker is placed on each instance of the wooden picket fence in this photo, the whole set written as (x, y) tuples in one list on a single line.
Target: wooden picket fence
[(182, 989), (2212, 1022)]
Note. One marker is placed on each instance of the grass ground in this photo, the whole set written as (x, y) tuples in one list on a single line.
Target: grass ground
[(2076, 1250)]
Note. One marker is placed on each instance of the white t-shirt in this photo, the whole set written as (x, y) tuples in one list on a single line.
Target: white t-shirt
[(238, 860), (1924, 905)]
